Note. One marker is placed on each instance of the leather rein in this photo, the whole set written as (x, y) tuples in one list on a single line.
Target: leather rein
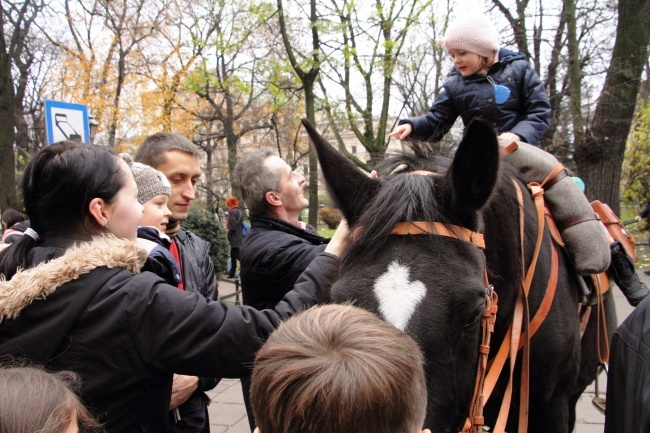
[(521, 329)]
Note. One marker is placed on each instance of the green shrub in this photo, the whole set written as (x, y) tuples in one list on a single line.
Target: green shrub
[(205, 225), (330, 216)]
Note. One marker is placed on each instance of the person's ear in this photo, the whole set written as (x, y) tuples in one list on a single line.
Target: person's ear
[(98, 209), (273, 198), (426, 430), (257, 430)]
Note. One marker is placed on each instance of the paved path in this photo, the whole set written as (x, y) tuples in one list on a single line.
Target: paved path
[(228, 414)]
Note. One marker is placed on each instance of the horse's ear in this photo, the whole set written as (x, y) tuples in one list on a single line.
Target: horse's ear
[(348, 186), (475, 168)]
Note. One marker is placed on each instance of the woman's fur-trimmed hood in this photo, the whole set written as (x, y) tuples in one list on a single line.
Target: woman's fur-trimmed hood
[(42, 280)]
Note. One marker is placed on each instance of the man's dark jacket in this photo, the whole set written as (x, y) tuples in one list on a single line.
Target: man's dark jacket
[(126, 333), (628, 379), (527, 112), (198, 276), (197, 266), (272, 257)]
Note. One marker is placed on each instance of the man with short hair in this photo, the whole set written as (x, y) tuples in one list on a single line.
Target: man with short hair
[(278, 247), (179, 160), (338, 368)]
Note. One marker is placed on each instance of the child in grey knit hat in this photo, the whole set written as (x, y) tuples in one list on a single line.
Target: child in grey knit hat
[(154, 192)]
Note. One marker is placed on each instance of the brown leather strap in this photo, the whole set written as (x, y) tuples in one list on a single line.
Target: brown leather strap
[(509, 148), (563, 225), (552, 227), (585, 314), (436, 228), (601, 327), (556, 175), (513, 340), (551, 288), (601, 281), (476, 420)]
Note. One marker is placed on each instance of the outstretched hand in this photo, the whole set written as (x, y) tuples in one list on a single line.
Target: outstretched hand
[(339, 241), (401, 131)]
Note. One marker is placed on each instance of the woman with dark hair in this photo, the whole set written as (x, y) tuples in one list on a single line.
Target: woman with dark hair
[(14, 224), (74, 299), (34, 400)]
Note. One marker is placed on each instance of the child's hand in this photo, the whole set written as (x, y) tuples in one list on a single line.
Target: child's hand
[(401, 131), (509, 137)]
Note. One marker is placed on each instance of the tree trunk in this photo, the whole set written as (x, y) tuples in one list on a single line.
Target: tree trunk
[(599, 156), (231, 143), (7, 133), (310, 102), (308, 80)]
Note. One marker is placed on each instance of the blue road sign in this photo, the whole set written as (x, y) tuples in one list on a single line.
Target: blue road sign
[(66, 121)]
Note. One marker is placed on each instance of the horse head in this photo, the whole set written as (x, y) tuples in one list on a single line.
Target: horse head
[(430, 286)]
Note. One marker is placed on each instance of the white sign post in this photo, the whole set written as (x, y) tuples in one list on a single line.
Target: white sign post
[(66, 121)]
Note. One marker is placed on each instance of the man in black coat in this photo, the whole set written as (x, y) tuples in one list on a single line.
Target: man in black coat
[(179, 159), (628, 379), (278, 247)]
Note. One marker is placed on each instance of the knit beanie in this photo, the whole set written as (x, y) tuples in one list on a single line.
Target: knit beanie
[(150, 181), (474, 33)]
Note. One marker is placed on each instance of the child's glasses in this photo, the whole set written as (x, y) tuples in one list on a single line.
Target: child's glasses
[(501, 93)]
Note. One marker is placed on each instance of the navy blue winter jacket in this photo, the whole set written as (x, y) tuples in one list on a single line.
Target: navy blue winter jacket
[(527, 112)]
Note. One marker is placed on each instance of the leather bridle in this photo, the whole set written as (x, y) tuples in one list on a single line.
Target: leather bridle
[(475, 419), (489, 312)]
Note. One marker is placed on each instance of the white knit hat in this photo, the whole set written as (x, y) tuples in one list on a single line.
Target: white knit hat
[(150, 181), (474, 33)]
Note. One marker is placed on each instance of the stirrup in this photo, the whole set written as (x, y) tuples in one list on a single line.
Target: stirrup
[(598, 401)]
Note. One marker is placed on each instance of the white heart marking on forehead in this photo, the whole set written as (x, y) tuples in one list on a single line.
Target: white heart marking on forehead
[(397, 295)]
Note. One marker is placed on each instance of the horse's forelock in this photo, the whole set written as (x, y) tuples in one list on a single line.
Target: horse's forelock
[(403, 198), (403, 163)]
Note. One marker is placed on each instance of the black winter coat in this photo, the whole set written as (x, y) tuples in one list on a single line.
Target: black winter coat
[(628, 379), (235, 225), (272, 257), (527, 112), (125, 333), (197, 266)]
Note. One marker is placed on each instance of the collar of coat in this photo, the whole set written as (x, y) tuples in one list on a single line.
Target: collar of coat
[(38, 282)]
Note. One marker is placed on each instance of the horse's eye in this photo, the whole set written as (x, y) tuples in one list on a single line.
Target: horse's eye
[(475, 318)]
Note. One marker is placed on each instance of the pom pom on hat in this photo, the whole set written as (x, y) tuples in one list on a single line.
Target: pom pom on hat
[(474, 33), (150, 181)]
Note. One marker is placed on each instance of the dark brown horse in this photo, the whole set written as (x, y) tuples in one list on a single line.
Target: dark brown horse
[(432, 286)]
